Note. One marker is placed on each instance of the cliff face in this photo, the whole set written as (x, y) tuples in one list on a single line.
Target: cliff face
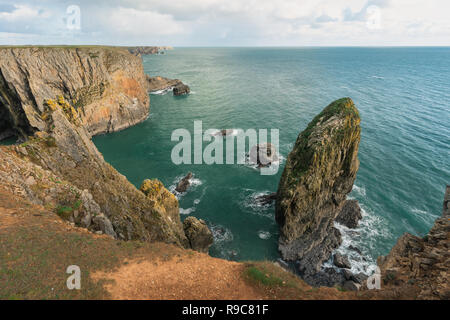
[(423, 262), (63, 96), (319, 173), (107, 86)]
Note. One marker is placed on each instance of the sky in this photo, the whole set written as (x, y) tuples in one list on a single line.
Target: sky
[(227, 22)]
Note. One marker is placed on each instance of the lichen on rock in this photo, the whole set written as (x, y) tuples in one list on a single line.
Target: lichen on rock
[(319, 173), (199, 236)]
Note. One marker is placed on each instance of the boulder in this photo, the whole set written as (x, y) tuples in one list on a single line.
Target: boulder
[(350, 214), (199, 236), (184, 183), (101, 223), (341, 261), (181, 89)]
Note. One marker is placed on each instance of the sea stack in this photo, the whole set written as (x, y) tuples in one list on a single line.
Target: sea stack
[(319, 173)]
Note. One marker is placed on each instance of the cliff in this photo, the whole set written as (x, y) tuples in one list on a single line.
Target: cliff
[(107, 87), (423, 262), (319, 173), (55, 99)]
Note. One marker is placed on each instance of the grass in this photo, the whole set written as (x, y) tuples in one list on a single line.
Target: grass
[(36, 250), (263, 276)]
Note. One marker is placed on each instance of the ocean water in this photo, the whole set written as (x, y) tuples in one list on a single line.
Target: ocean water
[(403, 95)]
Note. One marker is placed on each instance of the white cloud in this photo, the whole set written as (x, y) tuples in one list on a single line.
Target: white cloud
[(237, 22), (132, 22)]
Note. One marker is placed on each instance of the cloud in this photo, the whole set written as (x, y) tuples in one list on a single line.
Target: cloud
[(231, 22), (133, 22)]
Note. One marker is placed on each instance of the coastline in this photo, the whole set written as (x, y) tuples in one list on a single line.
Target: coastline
[(40, 152)]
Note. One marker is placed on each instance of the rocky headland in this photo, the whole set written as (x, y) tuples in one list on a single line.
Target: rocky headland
[(55, 100)]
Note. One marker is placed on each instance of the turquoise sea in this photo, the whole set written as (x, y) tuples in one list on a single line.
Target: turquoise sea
[(403, 95)]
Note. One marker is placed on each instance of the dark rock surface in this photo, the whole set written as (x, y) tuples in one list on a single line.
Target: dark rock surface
[(181, 89), (350, 214), (341, 261), (266, 199)]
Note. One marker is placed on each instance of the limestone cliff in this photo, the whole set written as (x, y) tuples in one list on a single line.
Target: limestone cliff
[(107, 87), (56, 99), (319, 173)]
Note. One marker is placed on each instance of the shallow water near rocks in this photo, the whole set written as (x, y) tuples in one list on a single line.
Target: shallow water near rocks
[(403, 95)]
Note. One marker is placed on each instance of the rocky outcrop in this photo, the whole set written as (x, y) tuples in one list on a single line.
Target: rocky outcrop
[(318, 175), (184, 183), (199, 236), (181, 89), (160, 83), (350, 214), (56, 99), (423, 262)]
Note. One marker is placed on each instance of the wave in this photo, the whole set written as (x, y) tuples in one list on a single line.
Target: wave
[(359, 190), (187, 211), (356, 243), (223, 238), (377, 77), (264, 234), (250, 203), (162, 91)]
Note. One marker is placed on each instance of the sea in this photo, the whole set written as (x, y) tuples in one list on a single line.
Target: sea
[(402, 94)]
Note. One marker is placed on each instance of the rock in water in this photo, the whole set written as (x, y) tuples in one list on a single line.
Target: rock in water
[(266, 199), (263, 154), (198, 234), (319, 173), (350, 214), (181, 89), (184, 183), (159, 83)]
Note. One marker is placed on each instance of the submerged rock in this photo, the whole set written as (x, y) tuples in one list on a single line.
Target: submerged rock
[(198, 234), (350, 214), (184, 183), (319, 173)]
